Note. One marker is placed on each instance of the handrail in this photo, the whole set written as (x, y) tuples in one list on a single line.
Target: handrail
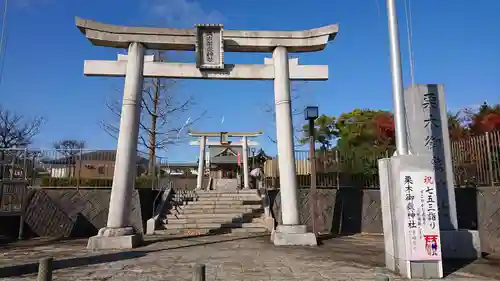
[(210, 182), (166, 196), (165, 199)]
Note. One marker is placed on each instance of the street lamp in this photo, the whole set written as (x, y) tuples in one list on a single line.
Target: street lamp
[(311, 113), (253, 157)]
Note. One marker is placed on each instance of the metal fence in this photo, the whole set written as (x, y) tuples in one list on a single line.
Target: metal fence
[(334, 169), (78, 167), (476, 162)]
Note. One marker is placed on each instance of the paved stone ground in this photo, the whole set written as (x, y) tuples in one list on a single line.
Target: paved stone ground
[(227, 258)]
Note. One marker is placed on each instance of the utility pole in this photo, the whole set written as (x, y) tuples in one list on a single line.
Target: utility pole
[(397, 80), (3, 39), (4, 21)]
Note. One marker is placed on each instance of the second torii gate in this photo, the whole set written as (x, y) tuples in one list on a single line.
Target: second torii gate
[(223, 141)]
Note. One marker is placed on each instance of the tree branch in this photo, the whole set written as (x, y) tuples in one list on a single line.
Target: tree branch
[(162, 111), (16, 131)]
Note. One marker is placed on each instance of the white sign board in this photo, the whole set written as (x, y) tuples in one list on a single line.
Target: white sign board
[(210, 47), (422, 236)]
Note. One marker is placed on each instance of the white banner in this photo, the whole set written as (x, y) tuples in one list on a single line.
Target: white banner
[(421, 216)]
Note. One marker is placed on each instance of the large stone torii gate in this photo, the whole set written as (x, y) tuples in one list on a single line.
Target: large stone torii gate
[(209, 42)]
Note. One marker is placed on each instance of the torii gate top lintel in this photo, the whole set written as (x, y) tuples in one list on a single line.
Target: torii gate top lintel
[(116, 36), (227, 134), (224, 135)]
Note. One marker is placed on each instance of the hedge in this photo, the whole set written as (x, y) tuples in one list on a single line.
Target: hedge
[(92, 182)]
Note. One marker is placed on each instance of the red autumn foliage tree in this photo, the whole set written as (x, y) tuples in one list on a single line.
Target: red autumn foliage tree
[(486, 119), (384, 121)]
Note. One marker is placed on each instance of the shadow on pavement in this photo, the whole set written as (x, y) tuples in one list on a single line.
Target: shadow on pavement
[(201, 243), (32, 267), (38, 242), (487, 266), (29, 268), (148, 241), (369, 251)]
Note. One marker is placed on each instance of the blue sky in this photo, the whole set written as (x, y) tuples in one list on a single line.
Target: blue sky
[(455, 43)]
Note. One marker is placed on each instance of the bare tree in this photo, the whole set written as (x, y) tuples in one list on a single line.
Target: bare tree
[(162, 112), (69, 148), (17, 131)]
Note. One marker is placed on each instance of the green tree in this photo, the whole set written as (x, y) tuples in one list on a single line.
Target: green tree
[(366, 127), (325, 131), (365, 135)]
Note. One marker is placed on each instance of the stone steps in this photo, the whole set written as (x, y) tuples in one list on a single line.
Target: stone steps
[(200, 231), (187, 231), (212, 225), (223, 202), (217, 212), (202, 220), (259, 229), (228, 199), (229, 193), (213, 218), (204, 215), (217, 205)]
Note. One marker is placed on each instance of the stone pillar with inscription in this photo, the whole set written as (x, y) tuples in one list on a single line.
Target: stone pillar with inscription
[(429, 135), (418, 202)]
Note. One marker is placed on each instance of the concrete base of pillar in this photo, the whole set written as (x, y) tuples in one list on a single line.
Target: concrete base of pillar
[(293, 235), (415, 269), (425, 269), (460, 244), (115, 238)]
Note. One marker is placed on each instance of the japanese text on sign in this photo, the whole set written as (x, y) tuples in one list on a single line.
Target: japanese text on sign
[(210, 47), (421, 215)]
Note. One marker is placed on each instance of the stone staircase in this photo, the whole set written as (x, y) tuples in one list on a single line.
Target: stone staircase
[(217, 211)]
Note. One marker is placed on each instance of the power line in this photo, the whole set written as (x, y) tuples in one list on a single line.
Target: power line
[(378, 7), (2, 37), (409, 33), (2, 58)]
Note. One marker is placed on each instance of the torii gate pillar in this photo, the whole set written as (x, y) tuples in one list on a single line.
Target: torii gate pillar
[(118, 232)]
